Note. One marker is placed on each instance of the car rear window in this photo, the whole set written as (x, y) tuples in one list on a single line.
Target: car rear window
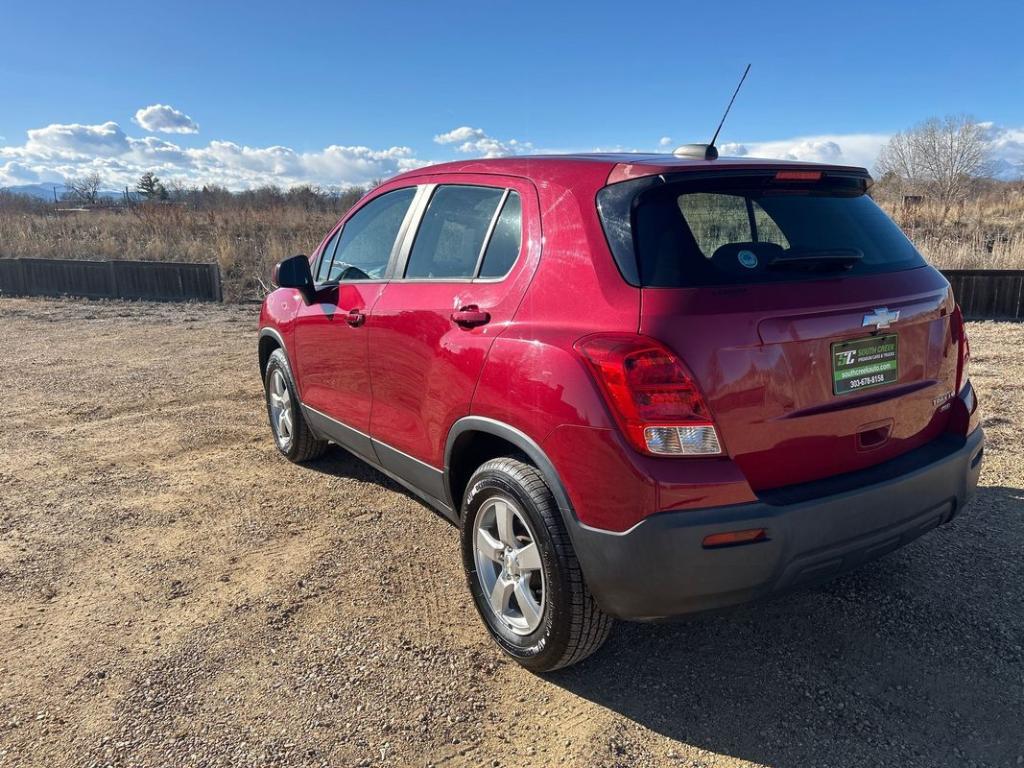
[(742, 230)]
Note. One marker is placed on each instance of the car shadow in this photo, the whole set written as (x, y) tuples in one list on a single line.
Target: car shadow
[(339, 462), (915, 659)]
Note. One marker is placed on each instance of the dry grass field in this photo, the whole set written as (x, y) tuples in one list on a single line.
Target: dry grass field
[(174, 593), (246, 234)]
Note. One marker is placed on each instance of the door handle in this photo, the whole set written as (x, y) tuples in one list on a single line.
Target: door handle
[(470, 316), (355, 318)]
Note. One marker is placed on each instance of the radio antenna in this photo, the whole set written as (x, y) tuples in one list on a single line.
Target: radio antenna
[(722, 122)]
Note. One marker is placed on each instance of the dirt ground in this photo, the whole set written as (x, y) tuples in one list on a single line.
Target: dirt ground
[(173, 593)]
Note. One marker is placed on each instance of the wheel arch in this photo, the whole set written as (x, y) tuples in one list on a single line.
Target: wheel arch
[(467, 431), (270, 340)]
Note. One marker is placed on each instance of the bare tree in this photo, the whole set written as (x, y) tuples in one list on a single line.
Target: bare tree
[(941, 157), (85, 188)]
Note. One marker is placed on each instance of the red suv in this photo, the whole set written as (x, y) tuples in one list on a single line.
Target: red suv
[(642, 385)]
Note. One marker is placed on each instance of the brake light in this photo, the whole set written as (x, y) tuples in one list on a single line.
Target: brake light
[(653, 397), (798, 176), (963, 347)]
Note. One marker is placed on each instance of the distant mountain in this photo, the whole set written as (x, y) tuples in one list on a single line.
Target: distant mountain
[(1006, 170), (45, 191)]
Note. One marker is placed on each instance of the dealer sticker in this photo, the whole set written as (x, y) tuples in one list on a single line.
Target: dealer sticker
[(864, 363)]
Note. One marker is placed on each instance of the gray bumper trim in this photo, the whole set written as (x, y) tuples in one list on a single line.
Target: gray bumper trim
[(660, 569)]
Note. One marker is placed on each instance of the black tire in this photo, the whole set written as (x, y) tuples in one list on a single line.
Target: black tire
[(572, 626), (301, 445)]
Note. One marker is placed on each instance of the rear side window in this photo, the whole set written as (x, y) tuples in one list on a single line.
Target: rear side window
[(466, 232), (745, 230), (506, 239), (365, 242), (717, 219)]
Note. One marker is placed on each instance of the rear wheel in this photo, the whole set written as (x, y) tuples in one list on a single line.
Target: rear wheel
[(292, 434), (522, 571)]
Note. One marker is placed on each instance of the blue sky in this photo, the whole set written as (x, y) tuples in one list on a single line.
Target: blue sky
[(337, 93)]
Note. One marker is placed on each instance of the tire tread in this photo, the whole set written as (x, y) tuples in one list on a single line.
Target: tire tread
[(590, 626), (305, 445)]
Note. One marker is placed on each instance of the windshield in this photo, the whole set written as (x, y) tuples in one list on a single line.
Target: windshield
[(743, 230)]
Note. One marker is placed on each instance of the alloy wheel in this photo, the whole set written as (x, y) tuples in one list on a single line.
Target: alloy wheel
[(508, 565), (280, 408)]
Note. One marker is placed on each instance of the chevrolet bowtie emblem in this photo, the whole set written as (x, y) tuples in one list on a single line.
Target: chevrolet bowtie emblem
[(881, 318)]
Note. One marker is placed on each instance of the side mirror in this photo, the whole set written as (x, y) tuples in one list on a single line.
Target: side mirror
[(294, 273)]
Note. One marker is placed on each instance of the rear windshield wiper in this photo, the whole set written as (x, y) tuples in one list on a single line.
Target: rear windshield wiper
[(827, 258)]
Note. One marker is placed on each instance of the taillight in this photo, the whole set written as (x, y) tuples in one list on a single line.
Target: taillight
[(652, 395), (963, 347)]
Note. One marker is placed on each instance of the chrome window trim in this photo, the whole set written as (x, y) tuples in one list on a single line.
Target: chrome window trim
[(490, 231), (403, 260)]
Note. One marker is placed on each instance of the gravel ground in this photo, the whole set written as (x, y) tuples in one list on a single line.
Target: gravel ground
[(172, 593)]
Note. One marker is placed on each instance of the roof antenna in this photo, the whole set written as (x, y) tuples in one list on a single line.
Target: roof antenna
[(708, 151)]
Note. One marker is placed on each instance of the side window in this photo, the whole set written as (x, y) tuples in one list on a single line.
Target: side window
[(326, 256), (715, 219), (364, 247), (506, 239), (452, 233), (767, 230), (718, 219)]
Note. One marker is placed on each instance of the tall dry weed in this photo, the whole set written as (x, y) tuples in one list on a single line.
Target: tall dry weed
[(246, 236)]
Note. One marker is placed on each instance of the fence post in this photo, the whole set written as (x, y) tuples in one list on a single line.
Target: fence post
[(218, 289), (112, 276)]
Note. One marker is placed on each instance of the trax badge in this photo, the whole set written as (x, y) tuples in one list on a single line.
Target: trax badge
[(881, 318), (747, 258)]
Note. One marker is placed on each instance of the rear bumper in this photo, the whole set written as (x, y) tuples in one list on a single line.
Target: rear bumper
[(659, 568)]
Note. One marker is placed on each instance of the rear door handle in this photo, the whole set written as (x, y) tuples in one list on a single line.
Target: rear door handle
[(355, 318), (470, 316)]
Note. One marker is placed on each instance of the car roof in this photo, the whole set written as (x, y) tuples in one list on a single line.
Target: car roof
[(619, 166)]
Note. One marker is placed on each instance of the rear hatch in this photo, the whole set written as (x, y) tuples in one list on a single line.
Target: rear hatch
[(819, 336)]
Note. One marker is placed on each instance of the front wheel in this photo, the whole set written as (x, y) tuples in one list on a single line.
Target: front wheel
[(522, 571), (292, 434)]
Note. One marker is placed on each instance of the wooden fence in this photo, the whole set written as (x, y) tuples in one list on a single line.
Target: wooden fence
[(152, 280), (983, 293), (996, 294)]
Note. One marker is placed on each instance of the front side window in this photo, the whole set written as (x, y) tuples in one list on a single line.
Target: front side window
[(326, 256), (366, 240), (458, 231)]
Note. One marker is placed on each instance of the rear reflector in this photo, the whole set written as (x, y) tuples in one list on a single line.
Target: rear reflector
[(798, 176), (682, 441), (959, 329), (735, 537)]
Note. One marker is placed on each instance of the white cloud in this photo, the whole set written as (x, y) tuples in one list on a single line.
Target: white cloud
[(474, 141), (1006, 150), (163, 118), (841, 149), (61, 151), (72, 140), (15, 173)]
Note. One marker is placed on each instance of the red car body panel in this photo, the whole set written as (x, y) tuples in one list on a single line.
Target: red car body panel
[(760, 355), (331, 357), (424, 367)]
